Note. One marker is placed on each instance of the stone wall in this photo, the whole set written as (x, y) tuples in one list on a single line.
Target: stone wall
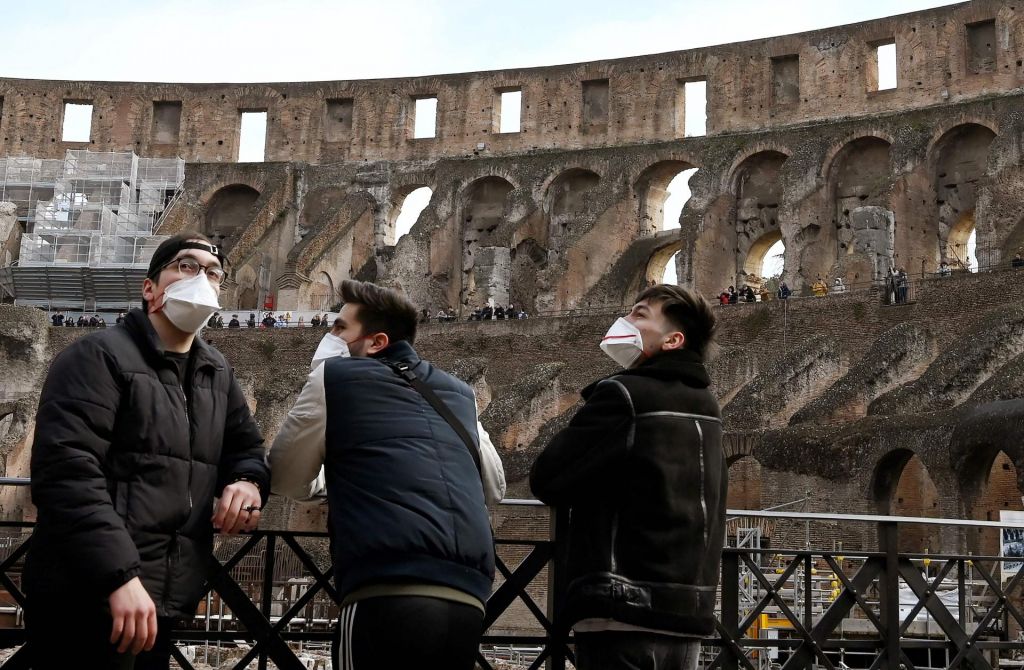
[(810, 437)]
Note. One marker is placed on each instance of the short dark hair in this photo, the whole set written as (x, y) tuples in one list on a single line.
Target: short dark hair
[(686, 310), (166, 252), (381, 310)]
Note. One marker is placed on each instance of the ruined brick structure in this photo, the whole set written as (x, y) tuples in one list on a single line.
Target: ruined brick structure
[(867, 408)]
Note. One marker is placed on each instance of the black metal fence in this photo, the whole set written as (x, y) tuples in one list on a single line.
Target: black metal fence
[(271, 599)]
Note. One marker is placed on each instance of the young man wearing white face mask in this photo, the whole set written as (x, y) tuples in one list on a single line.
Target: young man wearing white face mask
[(140, 427), (406, 488), (641, 474)]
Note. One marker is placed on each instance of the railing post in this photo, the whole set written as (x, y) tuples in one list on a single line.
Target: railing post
[(556, 587), (268, 589), (730, 608), (889, 593)]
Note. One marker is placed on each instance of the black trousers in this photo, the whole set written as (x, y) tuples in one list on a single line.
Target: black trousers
[(620, 650), (408, 631), (64, 636)]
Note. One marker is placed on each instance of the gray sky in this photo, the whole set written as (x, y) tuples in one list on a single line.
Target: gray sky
[(308, 40)]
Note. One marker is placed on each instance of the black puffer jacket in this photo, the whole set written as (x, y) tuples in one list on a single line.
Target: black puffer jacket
[(641, 473), (125, 469)]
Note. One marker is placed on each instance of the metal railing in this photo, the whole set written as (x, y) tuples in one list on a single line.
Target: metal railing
[(270, 597)]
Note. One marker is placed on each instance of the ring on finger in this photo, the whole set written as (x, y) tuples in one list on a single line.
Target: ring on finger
[(252, 508)]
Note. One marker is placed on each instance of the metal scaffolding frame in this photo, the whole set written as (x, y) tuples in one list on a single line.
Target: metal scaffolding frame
[(90, 215)]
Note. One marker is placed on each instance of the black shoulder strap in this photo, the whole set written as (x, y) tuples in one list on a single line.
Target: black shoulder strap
[(406, 373)]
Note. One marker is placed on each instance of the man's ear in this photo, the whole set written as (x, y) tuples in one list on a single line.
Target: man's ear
[(675, 340), (149, 292), (378, 343)]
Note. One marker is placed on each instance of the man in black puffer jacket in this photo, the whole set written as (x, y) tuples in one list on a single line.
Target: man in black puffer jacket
[(412, 546), (139, 427), (641, 474)]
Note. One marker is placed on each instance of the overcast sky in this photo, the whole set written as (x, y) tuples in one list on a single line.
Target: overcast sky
[(306, 40)]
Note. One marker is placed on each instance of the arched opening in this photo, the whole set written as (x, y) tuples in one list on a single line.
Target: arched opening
[(962, 244), (567, 202), (660, 186), (903, 487), (678, 194), (228, 212), (864, 220), (321, 295), (671, 275), (486, 262), (660, 268), (764, 257), (998, 493), (960, 165), (406, 212), (745, 484), (758, 198)]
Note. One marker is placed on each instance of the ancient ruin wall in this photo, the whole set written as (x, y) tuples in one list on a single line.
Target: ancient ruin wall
[(944, 55)]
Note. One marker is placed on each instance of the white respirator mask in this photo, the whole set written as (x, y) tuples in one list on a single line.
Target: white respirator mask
[(330, 346), (623, 343), (188, 303)]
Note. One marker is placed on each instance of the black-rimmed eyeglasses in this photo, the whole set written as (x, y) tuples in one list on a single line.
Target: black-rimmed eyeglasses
[(190, 267)]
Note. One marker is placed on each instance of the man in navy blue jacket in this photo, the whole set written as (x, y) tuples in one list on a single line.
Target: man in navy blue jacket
[(411, 541)]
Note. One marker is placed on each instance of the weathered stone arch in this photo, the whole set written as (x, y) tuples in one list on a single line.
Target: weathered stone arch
[(227, 213), (565, 202), (860, 181), (744, 483), (395, 205), (247, 287), (902, 486), (758, 187), (486, 263), (650, 189), (323, 295), (959, 161)]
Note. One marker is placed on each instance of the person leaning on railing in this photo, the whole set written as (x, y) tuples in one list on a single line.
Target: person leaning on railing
[(140, 427)]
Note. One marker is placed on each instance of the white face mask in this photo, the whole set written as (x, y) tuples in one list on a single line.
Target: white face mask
[(188, 303), (623, 343), (330, 346)]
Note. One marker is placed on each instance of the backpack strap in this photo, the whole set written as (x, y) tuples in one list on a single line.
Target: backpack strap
[(405, 372)]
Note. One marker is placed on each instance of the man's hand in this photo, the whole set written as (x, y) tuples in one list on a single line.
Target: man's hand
[(134, 617), (238, 509)]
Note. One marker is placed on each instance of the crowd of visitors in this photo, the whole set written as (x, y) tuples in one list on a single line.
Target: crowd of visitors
[(59, 320)]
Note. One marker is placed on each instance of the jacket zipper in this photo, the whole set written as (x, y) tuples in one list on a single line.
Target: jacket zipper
[(188, 425), (703, 502)]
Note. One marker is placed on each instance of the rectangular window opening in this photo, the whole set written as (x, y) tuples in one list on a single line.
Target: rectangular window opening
[(510, 110), (595, 103), (425, 118), (981, 47), (166, 122), (252, 142), (695, 115), (77, 125), (786, 80), (338, 127), (885, 66)]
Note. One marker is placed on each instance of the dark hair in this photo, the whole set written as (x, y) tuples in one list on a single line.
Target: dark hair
[(166, 252), (686, 310), (381, 310)]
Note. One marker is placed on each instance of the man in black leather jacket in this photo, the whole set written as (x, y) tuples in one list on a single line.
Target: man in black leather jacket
[(641, 474)]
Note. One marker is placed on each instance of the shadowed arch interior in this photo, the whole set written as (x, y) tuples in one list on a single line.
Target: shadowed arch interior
[(228, 213)]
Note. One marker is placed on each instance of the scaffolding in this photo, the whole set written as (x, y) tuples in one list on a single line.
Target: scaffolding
[(88, 221)]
